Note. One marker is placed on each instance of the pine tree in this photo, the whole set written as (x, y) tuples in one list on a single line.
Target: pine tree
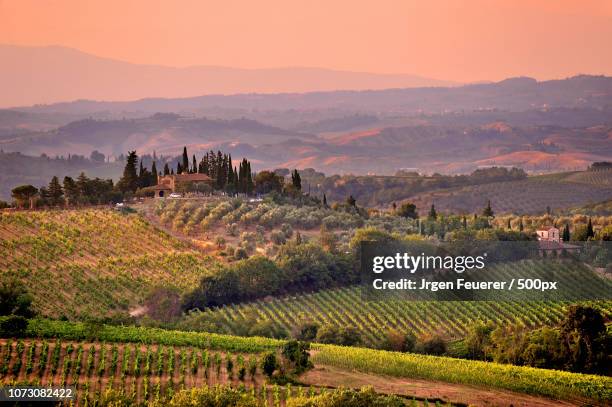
[(185, 166), (433, 215), (590, 233), (56, 194), (82, 184), (129, 180), (70, 191)]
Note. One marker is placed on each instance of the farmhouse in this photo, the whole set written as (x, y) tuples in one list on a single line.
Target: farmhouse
[(179, 183), (549, 234), (550, 242)]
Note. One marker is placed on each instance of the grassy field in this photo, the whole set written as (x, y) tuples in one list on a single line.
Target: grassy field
[(83, 263), (530, 196), (451, 319)]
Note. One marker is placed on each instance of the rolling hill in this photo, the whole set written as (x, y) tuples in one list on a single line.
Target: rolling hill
[(531, 196), (96, 262), (97, 78)]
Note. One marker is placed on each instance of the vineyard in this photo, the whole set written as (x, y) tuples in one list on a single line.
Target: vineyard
[(530, 196), (151, 373), (94, 262), (551, 383), (347, 307), (599, 177), (151, 364)]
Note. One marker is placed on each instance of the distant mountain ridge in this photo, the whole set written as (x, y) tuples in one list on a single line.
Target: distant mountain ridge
[(34, 75)]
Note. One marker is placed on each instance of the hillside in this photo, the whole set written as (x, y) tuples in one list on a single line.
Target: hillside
[(531, 196), (513, 94), (373, 319), (151, 364), (39, 170), (96, 262)]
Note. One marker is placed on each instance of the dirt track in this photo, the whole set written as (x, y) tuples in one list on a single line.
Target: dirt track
[(455, 393)]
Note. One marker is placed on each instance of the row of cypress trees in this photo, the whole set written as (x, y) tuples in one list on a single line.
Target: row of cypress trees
[(218, 166)]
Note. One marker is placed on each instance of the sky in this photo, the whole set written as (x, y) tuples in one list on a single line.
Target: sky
[(457, 40)]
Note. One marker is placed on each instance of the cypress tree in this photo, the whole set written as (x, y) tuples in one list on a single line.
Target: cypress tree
[(508, 225), (194, 168), (566, 233), (324, 200), (521, 227), (488, 211), (179, 168), (590, 233), (166, 169), (249, 183), (433, 215), (153, 173), (296, 180), (129, 180), (185, 166), (464, 222)]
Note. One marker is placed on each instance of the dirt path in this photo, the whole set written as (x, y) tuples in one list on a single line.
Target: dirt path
[(455, 393)]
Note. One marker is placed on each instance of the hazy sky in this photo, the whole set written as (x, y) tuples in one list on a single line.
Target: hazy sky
[(459, 40)]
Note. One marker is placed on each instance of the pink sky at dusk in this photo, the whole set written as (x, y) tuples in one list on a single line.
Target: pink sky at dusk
[(452, 40)]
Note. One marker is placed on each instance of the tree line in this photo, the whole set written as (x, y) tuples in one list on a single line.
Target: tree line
[(138, 177)]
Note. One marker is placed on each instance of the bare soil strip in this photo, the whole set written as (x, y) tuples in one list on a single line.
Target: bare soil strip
[(456, 393)]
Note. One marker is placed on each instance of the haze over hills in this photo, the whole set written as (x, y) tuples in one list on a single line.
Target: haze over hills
[(34, 75), (545, 126)]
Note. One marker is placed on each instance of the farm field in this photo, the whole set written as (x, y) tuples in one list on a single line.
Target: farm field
[(530, 196), (347, 307), (148, 364), (94, 262)]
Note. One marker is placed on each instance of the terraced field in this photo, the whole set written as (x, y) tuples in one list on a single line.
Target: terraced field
[(347, 307), (82, 263)]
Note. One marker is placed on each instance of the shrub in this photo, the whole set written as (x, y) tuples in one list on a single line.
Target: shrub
[(278, 237), (269, 364), (306, 331), (432, 345), (13, 326), (347, 398), (240, 254), (399, 341)]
